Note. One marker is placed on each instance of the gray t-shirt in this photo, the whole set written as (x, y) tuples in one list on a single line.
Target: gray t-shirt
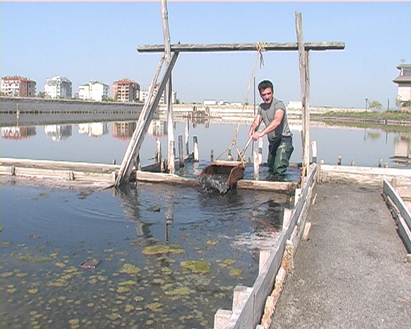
[(267, 112)]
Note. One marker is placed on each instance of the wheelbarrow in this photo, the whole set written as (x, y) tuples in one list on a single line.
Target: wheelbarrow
[(222, 175)]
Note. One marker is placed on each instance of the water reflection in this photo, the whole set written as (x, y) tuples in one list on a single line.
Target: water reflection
[(58, 132), (402, 149), (17, 133), (214, 136), (95, 129)]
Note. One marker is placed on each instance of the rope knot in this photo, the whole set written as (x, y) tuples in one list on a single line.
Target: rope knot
[(260, 48)]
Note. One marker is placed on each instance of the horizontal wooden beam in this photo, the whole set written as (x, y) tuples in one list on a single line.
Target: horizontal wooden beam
[(73, 172), (270, 46)]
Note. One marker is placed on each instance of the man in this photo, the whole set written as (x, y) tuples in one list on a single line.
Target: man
[(272, 112)]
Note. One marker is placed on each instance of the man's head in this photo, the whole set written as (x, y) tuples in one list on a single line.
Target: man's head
[(266, 90)]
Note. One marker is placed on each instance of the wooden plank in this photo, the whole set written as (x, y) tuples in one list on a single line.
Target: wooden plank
[(90, 171), (399, 203), (150, 177), (142, 127), (61, 165), (286, 187), (405, 233), (249, 312), (303, 56), (269, 46)]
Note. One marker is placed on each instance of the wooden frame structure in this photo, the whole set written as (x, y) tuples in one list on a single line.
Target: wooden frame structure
[(151, 104)]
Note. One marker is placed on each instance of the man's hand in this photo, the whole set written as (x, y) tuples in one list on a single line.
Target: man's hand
[(258, 135)]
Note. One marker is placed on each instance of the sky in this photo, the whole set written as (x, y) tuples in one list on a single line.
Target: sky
[(98, 41)]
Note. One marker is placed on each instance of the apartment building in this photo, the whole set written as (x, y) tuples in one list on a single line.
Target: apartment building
[(126, 90), (144, 95), (17, 86), (58, 87), (93, 90)]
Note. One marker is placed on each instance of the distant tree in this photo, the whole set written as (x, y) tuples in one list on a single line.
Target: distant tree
[(41, 94), (375, 105)]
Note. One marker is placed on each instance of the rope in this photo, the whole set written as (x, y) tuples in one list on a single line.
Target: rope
[(260, 49), (260, 46)]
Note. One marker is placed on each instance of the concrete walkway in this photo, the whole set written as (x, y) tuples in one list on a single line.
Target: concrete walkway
[(351, 272)]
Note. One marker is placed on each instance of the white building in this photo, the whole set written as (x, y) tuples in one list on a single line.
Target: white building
[(210, 102), (94, 90), (295, 105), (404, 82), (144, 95), (58, 87)]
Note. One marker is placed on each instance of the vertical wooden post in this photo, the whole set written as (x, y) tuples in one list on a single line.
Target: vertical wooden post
[(170, 128), (260, 151), (221, 318), (314, 151), (166, 31), (158, 151), (186, 131), (169, 89), (137, 162), (195, 149), (305, 91), (256, 166), (180, 151)]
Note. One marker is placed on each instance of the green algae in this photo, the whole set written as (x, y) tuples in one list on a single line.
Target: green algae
[(29, 258), (122, 290), (158, 281), (236, 272), (60, 264), (180, 291), (226, 262), (197, 266), (154, 307), (127, 283), (130, 269), (113, 316), (162, 249), (129, 308)]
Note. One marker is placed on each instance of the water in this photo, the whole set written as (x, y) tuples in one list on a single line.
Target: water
[(48, 233), (105, 141)]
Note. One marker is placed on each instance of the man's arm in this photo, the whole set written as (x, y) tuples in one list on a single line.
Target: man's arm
[(278, 117), (256, 123)]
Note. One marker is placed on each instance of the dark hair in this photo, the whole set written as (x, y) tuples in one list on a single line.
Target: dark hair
[(264, 85)]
